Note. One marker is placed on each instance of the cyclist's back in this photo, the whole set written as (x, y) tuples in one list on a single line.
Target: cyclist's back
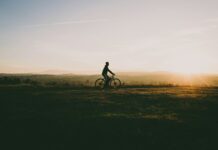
[(105, 70)]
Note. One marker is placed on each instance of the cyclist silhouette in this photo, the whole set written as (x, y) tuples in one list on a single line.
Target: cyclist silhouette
[(104, 74)]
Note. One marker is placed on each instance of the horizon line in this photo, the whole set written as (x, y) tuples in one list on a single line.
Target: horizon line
[(118, 73)]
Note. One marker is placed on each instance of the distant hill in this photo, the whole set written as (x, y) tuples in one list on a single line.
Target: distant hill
[(128, 78)]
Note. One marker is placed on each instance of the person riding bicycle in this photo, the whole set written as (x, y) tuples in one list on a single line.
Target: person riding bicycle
[(104, 74)]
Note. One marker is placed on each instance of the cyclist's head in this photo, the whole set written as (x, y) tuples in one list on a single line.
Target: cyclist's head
[(107, 63)]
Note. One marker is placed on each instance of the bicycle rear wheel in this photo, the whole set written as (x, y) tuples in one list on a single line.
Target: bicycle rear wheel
[(115, 83), (99, 83)]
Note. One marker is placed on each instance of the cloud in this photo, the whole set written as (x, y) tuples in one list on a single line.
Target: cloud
[(67, 22)]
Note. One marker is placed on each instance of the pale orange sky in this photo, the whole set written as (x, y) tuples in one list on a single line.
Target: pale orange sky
[(133, 35)]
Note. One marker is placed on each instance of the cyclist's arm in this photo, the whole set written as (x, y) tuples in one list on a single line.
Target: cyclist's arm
[(111, 72)]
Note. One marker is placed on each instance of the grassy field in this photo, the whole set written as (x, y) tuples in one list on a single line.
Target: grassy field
[(70, 117)]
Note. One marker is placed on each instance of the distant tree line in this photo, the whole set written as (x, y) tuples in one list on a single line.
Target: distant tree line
[(16, 80), (48, 82)]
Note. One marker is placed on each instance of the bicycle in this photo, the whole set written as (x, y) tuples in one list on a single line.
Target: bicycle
[(113, 83)]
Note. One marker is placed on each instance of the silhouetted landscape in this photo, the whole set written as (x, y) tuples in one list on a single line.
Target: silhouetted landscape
[(108, 74), (67, 112)]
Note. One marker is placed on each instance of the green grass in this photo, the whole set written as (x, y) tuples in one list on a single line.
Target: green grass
[(36, 117)]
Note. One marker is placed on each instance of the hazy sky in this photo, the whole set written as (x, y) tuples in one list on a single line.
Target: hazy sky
[(133, 35)]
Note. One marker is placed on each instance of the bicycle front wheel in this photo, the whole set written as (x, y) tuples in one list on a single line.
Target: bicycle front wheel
[(99, 83), (115, 83)]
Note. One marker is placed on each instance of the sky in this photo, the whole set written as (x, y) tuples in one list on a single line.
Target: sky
[(79, 36)]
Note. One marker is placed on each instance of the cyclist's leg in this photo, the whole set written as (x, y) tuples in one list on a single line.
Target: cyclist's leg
[(107, 80)]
